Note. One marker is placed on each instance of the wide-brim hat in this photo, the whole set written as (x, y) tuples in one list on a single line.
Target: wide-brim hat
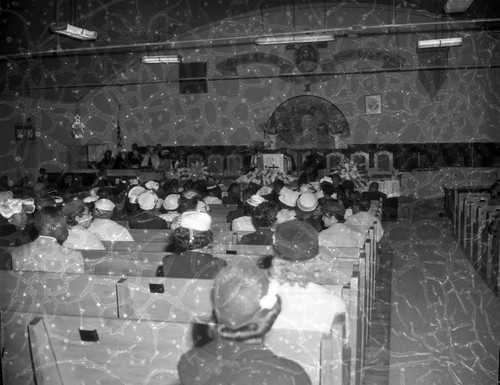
[(288, 197), (296, 241), (147, 200), (171, 202), (196, 220), (307, 202), (104, 205)]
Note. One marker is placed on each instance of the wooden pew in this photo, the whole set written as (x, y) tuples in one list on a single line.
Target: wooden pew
[(69, 294), (154, 235), (464, 215), (471, 230), (63, 350)]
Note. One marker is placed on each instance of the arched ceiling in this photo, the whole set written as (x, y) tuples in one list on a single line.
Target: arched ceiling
[(25, 29)]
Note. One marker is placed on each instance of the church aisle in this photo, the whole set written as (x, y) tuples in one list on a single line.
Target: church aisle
[(445, 322)]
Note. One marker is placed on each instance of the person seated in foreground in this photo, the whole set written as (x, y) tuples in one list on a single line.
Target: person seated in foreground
[(362, 219), (245, 309), (337, 234), (373, 194), (78, 217), (305, 210), (263, 218), (297, 271), (146, 218), (105, 228), (46, 252), (189, 244)]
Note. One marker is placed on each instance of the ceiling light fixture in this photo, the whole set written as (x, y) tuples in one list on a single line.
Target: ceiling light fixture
[(293, 39), (74, 32), (438, 43), (161, 59)]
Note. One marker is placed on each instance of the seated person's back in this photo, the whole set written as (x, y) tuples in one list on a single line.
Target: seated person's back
[(337, 234), (263, 217), (105, 228), (188, 243), (46, 253), (146, 217), (245, 310)]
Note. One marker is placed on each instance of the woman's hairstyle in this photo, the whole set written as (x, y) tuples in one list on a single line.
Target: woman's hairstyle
[(233, 189), (200, 186), (264, 214), (303, 179), (185, 239), (327, 188), (186, 204), (71, 219), (257, 328)]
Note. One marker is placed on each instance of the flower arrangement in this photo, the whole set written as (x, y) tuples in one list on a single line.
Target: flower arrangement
[(196, 171), (348, 170), (265, 177)]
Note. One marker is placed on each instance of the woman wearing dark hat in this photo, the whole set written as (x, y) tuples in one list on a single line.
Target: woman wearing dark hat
[(336, 233), (189, 243), (245, 308), (297, 272)]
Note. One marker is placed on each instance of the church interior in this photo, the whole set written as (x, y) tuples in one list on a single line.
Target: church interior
[(250, 91)]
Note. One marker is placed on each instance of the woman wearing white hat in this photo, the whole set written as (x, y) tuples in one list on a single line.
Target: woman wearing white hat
[(105, 228), (189, 244)]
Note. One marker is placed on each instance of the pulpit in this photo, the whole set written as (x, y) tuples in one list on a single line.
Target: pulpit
[(272, 161)]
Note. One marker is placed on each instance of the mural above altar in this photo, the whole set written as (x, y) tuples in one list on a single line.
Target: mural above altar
[(307, 122)]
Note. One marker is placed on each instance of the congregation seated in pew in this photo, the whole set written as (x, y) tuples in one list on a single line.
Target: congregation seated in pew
[(105, 228), (78, 217), (146, 218), (263, 218), (337, 234), (189, 243), (245, 308), (46, 252), (295, 276)]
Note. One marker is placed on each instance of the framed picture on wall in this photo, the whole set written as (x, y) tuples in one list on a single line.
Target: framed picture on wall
[(24, 132), (373, 104)]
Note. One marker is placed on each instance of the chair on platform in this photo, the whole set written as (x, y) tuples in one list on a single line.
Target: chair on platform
[(361, 158), (215, 164), (194, 158), (333, 159), (234, 164), (383, 162)]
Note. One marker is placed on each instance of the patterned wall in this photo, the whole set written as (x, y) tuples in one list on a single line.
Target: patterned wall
[(246, 83)]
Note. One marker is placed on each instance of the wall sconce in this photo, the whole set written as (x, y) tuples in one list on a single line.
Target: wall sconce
[(439, 43), (293, 39), (161, 59)]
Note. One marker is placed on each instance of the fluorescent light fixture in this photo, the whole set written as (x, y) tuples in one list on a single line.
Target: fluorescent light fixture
[(293, 39), (438, 43), (74, 32), (161, 59)]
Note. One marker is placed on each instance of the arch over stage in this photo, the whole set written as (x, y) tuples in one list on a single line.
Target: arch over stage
[(308, 121)]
